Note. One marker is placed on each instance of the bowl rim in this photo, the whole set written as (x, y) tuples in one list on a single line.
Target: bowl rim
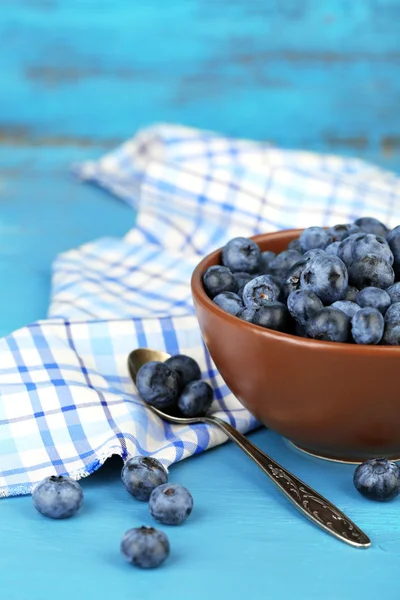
[(201, 297)]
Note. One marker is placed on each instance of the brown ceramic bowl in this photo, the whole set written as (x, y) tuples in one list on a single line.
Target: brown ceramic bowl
[(338, 401)]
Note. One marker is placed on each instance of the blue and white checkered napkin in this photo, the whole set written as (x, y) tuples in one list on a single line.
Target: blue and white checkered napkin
[(66, 400)]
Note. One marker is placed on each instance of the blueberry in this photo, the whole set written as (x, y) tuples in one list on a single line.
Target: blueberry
[(273, 315), (375, 297), (368, 243), (195, 399), (326, 276), (394, 292), (391, 336), (393, 239), (291, 281), (333, 248), (303, 304), (57, 497), (283, 261), (349, 308), (295, 245), (219, 279), (170, 504), (229, 302), (345, 249), (393, 233), (340, 232), (157, 384), (329, 324), (314, 237), (185, 367), (141, 475), (371, 271), (241, 280), (371, 225), (242, 254), (145, 547), (351, 293), (260, 291), (377, 479), (367, 326), (314, 252), (266, 258), (247, 314), (393, 314)]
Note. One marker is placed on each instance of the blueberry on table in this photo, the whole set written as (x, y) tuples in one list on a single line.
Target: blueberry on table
[(349, 308), (377, 479), (326, 276), (247, 314), (371, 225), (273, 315), (333, 248), (242, 254), (218, 279), (195, 399), (394, 292), (57, 497), (303, 304), (260, 291), (141, 475), (241, 280), (315, 237), (170, 504), (229, 302), (374, 297), (157, 384), (342, 231), (266, 258), (351, 293), (367, 326), (186, 368), (145, 547), (368, 243), (371, 271), (330, 325)]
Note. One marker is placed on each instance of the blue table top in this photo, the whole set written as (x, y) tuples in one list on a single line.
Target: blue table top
[(76, 80)]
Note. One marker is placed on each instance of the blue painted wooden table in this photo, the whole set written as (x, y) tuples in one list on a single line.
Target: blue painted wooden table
[(78, 77)]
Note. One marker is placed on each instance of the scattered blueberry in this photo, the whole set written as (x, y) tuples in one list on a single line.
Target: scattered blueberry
[(260, 291), (291, 281), (368, 243), (371, 271), (145, 547), (329, 324), (349, 308), (392, 314), (241, 280), (367, 326), (351, 293), (371, 225), (283, 261), (266, 258), (141, 475), (219, 279), (303, 304), (375, 297), (340, 232), (273, 315), (326, 276), (314, 237), (333, 248), (242, 254), (247, 314), (229, 302), (377, 479), (57, 497), (186, 368), (170, 504), (157, 384), (196, 399), (394, 292)]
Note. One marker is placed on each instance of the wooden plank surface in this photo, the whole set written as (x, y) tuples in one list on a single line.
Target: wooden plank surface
[(77, 77)]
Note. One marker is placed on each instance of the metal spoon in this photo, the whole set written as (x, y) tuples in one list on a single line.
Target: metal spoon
[(314, 506)]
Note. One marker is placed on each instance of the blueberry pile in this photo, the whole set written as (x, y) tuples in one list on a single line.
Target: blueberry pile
[(340, 284), (175, 385)]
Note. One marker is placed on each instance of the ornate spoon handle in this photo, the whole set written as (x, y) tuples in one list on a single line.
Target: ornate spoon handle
[(314, 506)]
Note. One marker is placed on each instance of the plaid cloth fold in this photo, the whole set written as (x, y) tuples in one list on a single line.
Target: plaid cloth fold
[(66, 400)]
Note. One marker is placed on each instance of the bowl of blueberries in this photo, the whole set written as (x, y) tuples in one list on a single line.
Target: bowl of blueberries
[(304, 327)]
